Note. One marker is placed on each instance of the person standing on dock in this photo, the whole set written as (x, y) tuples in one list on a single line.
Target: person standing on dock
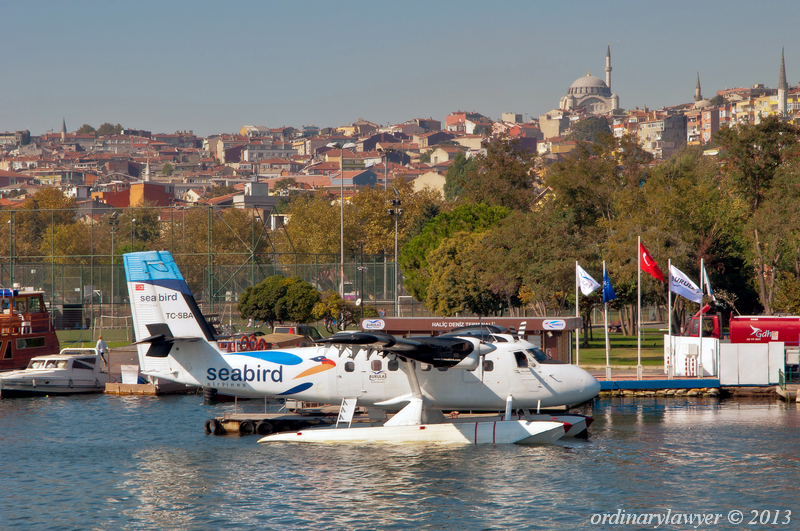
[(101, 348)]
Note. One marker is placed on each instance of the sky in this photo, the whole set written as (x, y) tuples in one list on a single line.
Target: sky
[(214, 66)]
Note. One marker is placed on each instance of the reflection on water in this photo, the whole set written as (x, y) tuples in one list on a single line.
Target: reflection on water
[(103, 462)]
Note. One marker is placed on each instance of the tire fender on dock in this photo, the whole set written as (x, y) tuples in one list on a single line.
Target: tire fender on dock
[(213, 426), (247, 427)]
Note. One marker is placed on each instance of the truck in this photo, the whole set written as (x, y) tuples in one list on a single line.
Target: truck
[(748, 328)]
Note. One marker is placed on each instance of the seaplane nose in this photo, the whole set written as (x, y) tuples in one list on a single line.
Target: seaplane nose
[(588, 386)]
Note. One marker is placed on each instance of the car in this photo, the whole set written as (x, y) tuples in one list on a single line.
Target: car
[(304, 330)]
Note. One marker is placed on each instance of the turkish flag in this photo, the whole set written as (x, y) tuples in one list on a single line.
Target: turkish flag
[(649, 265)]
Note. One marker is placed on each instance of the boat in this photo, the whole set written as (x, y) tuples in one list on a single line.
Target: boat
[(26, 330), (72, 371)]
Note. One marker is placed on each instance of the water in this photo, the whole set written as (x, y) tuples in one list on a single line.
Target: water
[(140, 463)]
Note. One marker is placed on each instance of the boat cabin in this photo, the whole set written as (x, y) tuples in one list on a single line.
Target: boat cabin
[(26, 330)]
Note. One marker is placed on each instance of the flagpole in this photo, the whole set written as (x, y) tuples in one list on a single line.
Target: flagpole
[(700, 332), (578, 315), (639, 312), (671, 364), (605, 326)]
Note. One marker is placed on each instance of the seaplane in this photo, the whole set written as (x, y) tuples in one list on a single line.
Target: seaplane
[(417, 379)]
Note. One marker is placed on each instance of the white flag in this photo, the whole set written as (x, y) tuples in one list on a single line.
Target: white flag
[(680, 284), (709, 291), (588, 284)]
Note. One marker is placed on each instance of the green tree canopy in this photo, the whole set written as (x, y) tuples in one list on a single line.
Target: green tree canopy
[(87, 129), (414, 255), (278, 298), (589, 129), (108, 129), (505, 176), (456, 174)]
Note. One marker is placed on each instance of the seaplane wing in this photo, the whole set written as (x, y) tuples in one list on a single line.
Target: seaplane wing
[(449, 352)]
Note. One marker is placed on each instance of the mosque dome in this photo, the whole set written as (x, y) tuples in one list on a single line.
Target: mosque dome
[(702, 104), (589, 84)]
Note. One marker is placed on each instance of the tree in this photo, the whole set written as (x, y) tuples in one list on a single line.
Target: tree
[(167, 169), (505, 176), (46, 209), (589, 129), (108, 129), (278, 298), (284, 184), (414, 255), (753, 153), (425, 158), (214, 191), (456, 174), (87, 129), (335, 313), (456, 284)]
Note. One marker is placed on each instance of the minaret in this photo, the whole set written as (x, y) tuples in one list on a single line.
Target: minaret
[(63, 130), (608, 67), (783, 88), (697, 95)]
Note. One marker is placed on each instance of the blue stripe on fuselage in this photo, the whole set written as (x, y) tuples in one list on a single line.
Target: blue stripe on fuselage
[(273, 356), (299, 389)]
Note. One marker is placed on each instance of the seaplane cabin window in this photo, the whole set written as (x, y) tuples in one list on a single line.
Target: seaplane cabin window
[(376, 365), (424, 366), (349, 366), (393, 365), (522, 359), (488, 365), (78, 364), (443, 369)]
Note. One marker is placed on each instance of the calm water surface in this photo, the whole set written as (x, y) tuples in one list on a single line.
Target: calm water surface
[(131, 463)]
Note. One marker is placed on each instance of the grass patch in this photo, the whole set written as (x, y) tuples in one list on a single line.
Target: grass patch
[(624, 349)]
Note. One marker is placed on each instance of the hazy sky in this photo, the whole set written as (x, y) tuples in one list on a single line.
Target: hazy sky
[(213, 66)]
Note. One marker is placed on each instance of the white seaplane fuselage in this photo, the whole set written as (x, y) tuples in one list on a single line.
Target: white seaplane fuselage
[(328, 373)]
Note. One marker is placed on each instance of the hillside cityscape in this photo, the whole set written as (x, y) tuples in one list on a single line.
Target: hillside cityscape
[(293, 176)]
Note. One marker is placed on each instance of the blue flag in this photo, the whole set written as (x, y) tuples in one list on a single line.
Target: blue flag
[(608, 291)]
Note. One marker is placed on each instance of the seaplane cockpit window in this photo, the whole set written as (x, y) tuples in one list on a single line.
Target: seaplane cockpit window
[(499, 339), (522, 359), (376, 365), (393, 365), (349, 366), (424, 366), (537, 354), (488, 365)]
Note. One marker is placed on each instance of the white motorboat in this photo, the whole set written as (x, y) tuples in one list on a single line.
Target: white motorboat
[(72, 371)]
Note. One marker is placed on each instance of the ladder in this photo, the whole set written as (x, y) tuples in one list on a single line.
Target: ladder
[(346, 411)]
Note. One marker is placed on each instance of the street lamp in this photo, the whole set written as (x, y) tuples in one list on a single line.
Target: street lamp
[(112, 223), (133, 229), (396, 212), (341, 148)]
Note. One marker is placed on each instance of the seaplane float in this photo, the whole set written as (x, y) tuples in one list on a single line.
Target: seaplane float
[(417, 379)]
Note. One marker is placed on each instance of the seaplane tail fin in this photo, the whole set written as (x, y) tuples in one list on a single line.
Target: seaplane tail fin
[(163, 308)]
